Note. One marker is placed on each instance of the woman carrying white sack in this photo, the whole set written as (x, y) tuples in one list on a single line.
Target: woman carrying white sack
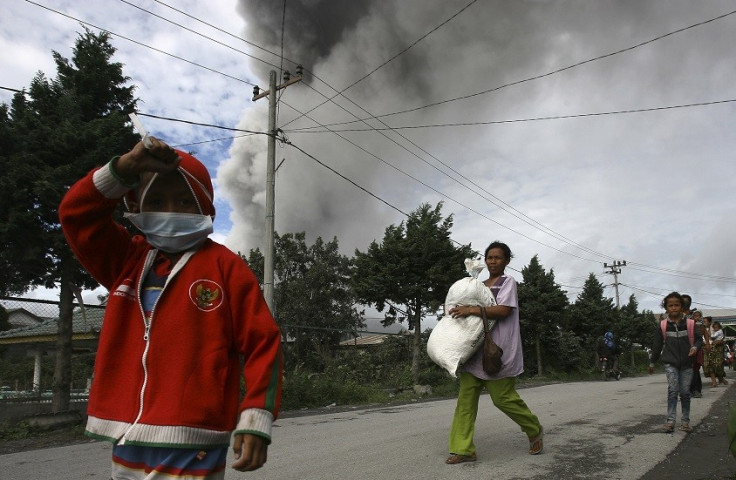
[(501, 386), (454, 340)]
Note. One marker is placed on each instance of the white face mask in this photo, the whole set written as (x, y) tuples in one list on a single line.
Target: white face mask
[(172, 232)]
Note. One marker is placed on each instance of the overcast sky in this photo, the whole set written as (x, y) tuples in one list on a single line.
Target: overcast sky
[(582, 132)]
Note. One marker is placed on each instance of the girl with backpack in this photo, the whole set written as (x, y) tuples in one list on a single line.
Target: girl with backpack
[(675, 342)]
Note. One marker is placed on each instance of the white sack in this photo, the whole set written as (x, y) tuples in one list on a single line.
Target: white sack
[(454, 340)]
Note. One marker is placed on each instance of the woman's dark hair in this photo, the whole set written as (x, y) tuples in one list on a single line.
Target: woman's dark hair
[(671, 295), (502, 246)]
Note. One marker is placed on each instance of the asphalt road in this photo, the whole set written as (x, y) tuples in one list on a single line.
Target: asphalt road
[(601, 429)]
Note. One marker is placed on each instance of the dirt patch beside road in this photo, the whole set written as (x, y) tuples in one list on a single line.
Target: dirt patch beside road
[(703, 454)]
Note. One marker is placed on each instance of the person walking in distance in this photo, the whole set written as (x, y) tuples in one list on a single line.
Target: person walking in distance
[(675, 341)]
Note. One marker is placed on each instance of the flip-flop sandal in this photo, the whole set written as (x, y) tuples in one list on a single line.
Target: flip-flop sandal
[(536, 444), (455, 458)]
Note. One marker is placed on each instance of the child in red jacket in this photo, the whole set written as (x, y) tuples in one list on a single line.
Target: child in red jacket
[(182, 313)]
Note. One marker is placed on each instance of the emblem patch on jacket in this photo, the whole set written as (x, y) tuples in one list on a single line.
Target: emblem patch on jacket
[(206, 294)]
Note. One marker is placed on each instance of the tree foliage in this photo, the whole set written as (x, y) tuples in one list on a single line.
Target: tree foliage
[(591, 315), (544, 309), (313, 299), (411, 270), (51, 137)]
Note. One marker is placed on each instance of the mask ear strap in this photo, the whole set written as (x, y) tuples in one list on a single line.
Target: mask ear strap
[(142, 195), (187, 177)]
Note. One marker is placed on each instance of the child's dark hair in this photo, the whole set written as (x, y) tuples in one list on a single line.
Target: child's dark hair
[(502, 246), (717, 323), (671, 295)]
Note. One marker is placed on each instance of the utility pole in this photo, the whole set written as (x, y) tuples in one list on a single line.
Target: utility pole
[(268, 252), (615, 269)]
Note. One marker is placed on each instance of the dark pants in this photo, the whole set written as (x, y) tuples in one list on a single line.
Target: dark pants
[(696, 385)]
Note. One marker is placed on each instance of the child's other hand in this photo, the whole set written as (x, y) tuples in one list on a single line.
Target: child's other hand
[(692, 351), (251, 452)]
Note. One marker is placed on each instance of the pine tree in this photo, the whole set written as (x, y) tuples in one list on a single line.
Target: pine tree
[(542, 308), (51, 137)]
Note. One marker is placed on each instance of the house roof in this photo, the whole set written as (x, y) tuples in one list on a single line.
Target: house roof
[(364, 339), (85, 325), (20, 317)]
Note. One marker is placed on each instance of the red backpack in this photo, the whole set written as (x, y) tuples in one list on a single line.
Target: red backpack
[(690, 330)]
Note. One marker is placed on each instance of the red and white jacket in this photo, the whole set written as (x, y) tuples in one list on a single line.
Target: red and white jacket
[(173, 381)]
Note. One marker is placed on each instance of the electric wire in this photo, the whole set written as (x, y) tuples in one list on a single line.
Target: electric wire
[(678, 273), (209, 125), (518, 120), (467, 207), (12, 90), (550, 73), (89, 24), (184, 27), (339, 93), (665, 292), (192, 17), (347, 179)]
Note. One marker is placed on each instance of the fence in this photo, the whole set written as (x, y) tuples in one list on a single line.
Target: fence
[(41, 309)]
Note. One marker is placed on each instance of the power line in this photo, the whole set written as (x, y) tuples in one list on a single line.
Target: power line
[(660, 295), (340, 93), (183, 27), (141, 43), (553, 72), (14, 90), (209, 125), (347, 179), (518, 120), (229, 34), (679, 273)]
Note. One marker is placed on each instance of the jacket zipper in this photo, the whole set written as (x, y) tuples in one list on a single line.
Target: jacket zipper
[(146, 338), (147, 324)]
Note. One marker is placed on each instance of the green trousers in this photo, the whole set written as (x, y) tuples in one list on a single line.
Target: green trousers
[(505, 398)]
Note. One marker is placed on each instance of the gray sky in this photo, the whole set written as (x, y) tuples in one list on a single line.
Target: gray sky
[(540, 161)]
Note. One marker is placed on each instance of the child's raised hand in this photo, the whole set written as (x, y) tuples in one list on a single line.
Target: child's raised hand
[(158, 157)]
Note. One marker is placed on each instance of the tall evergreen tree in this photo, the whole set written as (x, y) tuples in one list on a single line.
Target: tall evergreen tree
[(412, 269), (634, 328), (52, 137), (542, 308), (591, 315)]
